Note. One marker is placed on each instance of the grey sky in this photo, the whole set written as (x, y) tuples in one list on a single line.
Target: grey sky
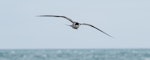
[(127, 20)]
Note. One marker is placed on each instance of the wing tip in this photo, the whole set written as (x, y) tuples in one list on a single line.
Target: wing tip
[(110, 36), (40, 16)]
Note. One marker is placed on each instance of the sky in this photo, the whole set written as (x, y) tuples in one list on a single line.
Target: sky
[(127, 21)]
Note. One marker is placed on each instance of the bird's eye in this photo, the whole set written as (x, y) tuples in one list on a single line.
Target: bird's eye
[(76, 23)]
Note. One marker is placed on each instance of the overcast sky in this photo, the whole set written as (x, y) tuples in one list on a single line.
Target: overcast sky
[(126, 20)]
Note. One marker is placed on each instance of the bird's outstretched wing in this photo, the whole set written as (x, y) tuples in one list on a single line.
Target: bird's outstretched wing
[(96, 28), (57, 16)]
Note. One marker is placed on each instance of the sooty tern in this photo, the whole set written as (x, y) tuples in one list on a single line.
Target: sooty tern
[(75, 25)]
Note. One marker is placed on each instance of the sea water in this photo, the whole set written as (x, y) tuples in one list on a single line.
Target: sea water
[(75, 54)]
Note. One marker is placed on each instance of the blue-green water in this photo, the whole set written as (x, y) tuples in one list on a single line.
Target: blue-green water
[(75, 54)]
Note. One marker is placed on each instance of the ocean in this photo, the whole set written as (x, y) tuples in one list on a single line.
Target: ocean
[(75, 54)]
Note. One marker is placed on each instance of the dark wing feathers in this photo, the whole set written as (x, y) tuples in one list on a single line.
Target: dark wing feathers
[(57, 16), (96, 28)]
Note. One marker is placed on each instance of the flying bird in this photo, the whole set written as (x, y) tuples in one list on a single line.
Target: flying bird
[(75, 25)]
